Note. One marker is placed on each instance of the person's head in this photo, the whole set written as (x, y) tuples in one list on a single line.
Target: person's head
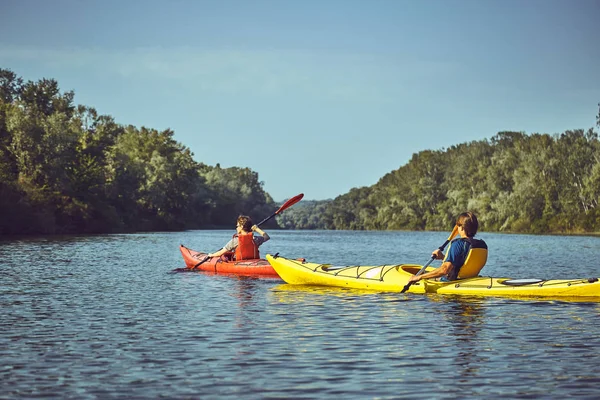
[(468, 222), (244, 223)]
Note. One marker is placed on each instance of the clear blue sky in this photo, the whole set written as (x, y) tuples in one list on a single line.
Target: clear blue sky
[(317, 96)]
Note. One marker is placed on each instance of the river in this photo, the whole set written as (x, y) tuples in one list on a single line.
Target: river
[(99, 316)]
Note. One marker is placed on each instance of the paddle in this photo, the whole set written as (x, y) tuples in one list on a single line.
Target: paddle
[(452, 234), (285, 206)]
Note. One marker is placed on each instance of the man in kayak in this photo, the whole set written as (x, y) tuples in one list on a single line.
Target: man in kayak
[(244, 243), (466, 255)]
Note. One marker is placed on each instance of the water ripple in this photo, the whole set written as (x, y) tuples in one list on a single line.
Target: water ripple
[(88, 317)]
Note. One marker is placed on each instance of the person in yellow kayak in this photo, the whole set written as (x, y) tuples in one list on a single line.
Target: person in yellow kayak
[(466, 255), (244, 244)]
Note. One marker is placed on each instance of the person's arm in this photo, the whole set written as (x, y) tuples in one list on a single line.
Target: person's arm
[(260, 232), (442, 270), (218, 253), (229, 246), (437, 254)]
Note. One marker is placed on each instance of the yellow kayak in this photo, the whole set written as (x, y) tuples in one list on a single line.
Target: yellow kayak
[(393, 278)]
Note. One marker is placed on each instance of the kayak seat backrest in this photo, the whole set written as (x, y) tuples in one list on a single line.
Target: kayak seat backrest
[(474, 263)]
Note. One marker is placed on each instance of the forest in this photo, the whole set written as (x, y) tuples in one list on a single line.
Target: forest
[(513, 182), (64, 168)]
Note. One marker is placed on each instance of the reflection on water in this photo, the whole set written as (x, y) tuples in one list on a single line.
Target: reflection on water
[(299, 293), (466, 319), (100, 317)]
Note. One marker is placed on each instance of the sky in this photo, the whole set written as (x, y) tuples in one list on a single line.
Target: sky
[(316, 96)]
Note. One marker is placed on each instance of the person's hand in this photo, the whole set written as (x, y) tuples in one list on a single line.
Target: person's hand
[(437, 254), (414, 278), (254, 228)]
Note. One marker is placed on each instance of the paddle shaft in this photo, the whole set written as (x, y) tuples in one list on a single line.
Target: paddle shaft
[(201, 262), (442, 247), (285, 206)]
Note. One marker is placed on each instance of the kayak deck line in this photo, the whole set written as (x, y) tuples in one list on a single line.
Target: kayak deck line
[(327, 268), (188, 250), (538, 283)]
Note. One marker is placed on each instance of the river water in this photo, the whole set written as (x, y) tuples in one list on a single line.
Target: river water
[(89, 317)]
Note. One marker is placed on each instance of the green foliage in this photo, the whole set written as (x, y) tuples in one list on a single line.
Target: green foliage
[(236, 191), (308, 214), (64, 168), (514, 182)]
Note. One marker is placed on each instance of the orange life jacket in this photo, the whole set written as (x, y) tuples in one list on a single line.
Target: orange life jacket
[(246, 248)]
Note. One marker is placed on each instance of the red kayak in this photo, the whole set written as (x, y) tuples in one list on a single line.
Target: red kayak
[(223, 265)]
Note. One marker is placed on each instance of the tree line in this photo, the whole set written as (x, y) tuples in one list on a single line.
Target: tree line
[(64, 168), (514, 182)]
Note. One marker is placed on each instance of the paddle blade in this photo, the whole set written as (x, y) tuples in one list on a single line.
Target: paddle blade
[(453, 233), (406, 287), (285, 205), (290, 202), (177, 270)]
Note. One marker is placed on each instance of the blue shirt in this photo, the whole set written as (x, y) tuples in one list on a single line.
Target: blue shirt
[(457, 254)]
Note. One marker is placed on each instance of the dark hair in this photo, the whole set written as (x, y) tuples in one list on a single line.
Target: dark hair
[(245, 222), (469, 222)]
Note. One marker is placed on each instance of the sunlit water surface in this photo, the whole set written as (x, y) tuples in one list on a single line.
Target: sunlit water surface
[(88, 317)]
